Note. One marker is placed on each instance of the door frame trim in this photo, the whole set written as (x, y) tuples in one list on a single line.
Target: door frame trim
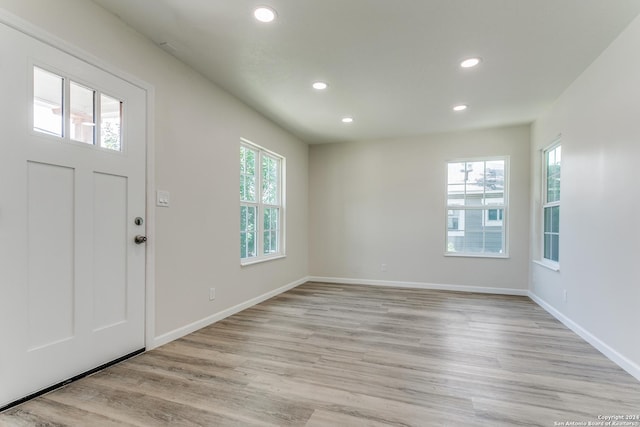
[(44, 36)]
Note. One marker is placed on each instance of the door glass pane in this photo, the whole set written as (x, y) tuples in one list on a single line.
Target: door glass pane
[(48, 90), (110, 123), (82, 107)]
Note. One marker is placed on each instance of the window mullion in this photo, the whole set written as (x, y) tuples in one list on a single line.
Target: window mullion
[(97, 118)]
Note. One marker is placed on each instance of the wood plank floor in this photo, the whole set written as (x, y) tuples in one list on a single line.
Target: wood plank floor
[(334, 355)]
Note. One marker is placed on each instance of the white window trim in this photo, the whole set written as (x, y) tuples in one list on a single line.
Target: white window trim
[(504, 206), (545, 262), (547, 265), (260, 206)]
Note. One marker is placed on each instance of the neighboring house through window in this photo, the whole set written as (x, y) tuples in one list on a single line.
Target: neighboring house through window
[(261, 203), (477, 207)]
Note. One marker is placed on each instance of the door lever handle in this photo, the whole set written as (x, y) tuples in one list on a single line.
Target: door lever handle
[(140, 239)]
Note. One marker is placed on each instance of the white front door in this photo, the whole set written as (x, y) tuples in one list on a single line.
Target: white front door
[(72, 183)]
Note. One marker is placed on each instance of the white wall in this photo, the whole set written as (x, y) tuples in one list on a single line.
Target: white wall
[(383, 202), (599, 119), (197, 133)]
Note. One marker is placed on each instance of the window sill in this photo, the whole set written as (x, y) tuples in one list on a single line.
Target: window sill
[(459, 255), (261, 260), (549, 266)]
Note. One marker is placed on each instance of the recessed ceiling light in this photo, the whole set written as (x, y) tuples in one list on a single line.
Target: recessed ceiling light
[(347, 120), (460, 107), (264, 14), (320, 85), (469, 63)]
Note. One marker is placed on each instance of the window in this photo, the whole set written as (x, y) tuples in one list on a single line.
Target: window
[(477, 207), (494, 215), (261, 203), (69, 110), (551, 204)]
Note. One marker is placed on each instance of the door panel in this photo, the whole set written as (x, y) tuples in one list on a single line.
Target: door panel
[(71, 276), (50, 230), (109, 250)]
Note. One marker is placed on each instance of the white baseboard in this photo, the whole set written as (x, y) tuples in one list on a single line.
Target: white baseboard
[(620, 360), (192, 327), (419, 285)]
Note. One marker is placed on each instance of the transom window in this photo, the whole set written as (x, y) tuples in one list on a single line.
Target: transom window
[(551, 205), (477, 207), (261, 203), (73, 111)]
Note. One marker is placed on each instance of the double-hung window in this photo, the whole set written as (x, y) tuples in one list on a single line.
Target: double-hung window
[(261, 203), (551, 205), (477, 207)]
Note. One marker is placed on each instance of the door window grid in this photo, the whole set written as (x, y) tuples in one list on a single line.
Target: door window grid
[(72, 111)]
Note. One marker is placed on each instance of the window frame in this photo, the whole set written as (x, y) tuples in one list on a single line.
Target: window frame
[(65, 117), (484, 208), (261, 206), (547, 262)]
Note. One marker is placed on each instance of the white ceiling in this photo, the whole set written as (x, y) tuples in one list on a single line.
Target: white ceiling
[(391, 64)]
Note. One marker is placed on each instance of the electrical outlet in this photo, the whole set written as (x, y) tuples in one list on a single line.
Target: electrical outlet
[(212, 294), (383, 267)]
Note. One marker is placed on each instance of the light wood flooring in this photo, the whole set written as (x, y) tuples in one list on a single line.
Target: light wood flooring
[(334, 355)]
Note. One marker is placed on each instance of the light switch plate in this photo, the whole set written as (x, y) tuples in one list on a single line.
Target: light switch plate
[(162, 199)]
